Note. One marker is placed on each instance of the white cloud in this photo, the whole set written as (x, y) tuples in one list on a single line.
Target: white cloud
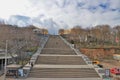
[(12, 7), (115, 4), (69, 12)]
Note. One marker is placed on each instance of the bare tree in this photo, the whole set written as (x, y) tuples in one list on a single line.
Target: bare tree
[(61, 31)]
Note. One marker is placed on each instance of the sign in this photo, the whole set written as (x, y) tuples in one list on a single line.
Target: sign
[(21, 72), (107, 72), (107, 75), (30, 53)]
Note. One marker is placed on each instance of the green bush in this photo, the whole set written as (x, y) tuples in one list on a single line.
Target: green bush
[(32, 49)]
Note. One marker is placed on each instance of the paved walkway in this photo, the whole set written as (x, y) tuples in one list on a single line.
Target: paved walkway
[(63, 79)]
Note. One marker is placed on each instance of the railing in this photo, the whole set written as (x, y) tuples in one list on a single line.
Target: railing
[(33, 59)]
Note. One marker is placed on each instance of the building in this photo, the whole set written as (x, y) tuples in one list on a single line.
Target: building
[(2, 60), (67, 31)]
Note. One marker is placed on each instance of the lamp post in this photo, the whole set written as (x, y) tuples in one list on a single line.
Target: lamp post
[(5, 69)]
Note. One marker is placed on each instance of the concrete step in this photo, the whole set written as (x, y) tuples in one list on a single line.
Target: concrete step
[(58, 60), (61, 60), (58, 51), (56, 42), (61, 66), (63, 73)]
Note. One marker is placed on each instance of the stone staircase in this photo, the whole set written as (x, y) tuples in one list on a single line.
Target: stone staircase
[(57, 51), (58, 60), (63, 73)]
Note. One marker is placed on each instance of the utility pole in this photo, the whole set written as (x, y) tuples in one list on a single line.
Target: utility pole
[(5, 69)]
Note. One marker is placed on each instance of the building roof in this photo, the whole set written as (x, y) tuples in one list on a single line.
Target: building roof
[(14, 66), (2, 55)]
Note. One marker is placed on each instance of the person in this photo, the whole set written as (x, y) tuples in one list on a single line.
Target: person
[(15, 75), (31, 64)]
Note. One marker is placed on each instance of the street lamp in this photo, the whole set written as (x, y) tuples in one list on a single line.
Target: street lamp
[(5, 69)]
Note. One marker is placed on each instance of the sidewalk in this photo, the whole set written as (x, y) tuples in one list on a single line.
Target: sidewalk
[(2, 78)]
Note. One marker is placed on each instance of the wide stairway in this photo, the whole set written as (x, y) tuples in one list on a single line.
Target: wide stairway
[(57, 60)]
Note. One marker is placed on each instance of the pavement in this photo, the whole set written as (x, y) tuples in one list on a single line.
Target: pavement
[(63, 79), (62, 66)]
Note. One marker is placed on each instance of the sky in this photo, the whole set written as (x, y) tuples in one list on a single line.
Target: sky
[(56, 14)]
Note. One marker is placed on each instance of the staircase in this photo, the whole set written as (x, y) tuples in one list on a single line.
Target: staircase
[(58, 60)]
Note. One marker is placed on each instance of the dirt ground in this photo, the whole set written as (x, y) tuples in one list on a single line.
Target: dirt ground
[(104, 56), (110, 64)]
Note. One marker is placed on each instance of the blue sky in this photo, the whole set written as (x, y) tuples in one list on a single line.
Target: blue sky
[(55, 14)]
